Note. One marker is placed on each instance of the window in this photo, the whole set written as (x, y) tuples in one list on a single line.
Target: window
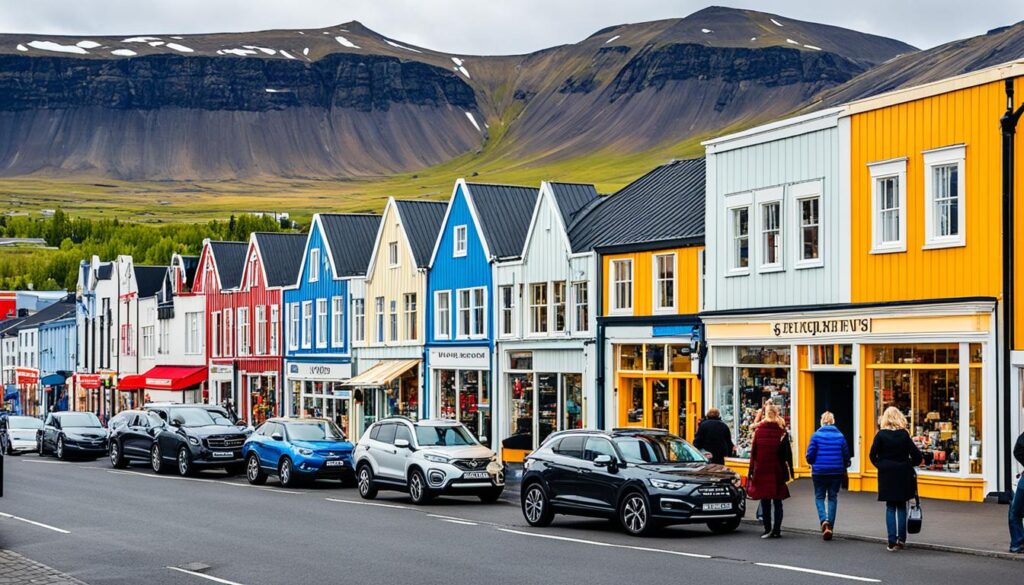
[(215, 334), (771, 234), (243, 331), (378, 310), (307, 324), (539, 308), (664, 282), (471, 313), (888, 200), (337, 321), (229, 332), (739, 230), (393, 320), (148, 341), (193, 333), (442, 314), (127, 339), (944, 197), (506, 296), (479, 312), (358, 319), (293, 326), (275, 323), (463, 316), (459, 243), (261, 330), (314, 265), (393, 254), (809, 209), (558, 306), (622, 286), (253, 278), (409, 303), (321, 322), (581, 301)]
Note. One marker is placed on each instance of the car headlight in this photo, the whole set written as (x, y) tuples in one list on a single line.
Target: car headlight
[(193, 441), (437, 458), (303, 451), (661, 484)]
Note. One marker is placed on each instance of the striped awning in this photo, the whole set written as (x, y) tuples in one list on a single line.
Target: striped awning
[(382, 373)]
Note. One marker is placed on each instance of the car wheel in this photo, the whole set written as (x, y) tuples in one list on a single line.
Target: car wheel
[(184, 462), (253, 472), (491, 495), (156, 459), (536, 506), (60, 448), (634, 514), (724, 526), (419, 491), (39, 447), (364, 480), (286, 473), (116, 457)]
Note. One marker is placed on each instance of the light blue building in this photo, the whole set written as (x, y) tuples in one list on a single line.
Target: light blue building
[(58, 341)]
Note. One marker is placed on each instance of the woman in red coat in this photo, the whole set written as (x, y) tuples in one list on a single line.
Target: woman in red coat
[(771, 466)]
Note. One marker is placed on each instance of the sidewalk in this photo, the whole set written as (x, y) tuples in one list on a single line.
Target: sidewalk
[(962, 527), (18, 570)]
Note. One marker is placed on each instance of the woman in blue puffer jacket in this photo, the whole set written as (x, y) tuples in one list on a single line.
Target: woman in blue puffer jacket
[(829, 457)]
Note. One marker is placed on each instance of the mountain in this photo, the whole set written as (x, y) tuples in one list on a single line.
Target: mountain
[(346, 101)]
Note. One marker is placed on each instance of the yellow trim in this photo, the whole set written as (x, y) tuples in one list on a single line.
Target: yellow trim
[(514, 455), (692, 389), (687, 281)]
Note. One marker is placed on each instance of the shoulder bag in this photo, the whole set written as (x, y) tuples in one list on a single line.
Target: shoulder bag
[(915, 516)]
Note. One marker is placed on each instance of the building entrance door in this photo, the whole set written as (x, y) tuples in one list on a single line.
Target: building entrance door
[(833, 391)]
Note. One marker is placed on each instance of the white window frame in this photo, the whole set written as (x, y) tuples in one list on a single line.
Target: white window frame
[(229, 334), (244, 344), (555, 304), (393, 256), (657, 306), (321, 323), (578, 327), (938, 157), (359, 320), (393, 320), (800, 193), (733, 204), (508, 311), (215, 334), (463, 326), (476, 324), (314, 265), (459, 241), (615, 305), (148, 341), (536, 309), (763, 199), (337, 321), (379, 320), (306, 327), (275, 323), (261, 329), (442, 314), (895, 168), (194, 333), (293, 326), (410, 316)]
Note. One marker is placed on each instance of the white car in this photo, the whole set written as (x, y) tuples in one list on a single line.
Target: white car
[(18, 434), (426, 459)]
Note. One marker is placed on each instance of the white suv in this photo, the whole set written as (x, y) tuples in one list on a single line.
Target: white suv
[(425, 459)]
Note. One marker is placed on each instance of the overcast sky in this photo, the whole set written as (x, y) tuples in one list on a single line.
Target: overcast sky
[(490, 26)]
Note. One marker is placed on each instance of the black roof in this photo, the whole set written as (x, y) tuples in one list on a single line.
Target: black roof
[(574, 201), (282, 256), (10, 324), (190, 264), (504, 212), (350, 237), (229, 257), (422, 221), (665, 204), (59, 310), (104, 271), (149, 279)]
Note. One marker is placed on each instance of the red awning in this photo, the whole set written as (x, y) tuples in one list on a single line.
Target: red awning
[(165, 378)]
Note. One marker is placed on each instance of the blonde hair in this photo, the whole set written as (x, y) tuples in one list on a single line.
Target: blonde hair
[(827, 418), (771, 415), (892, 419)]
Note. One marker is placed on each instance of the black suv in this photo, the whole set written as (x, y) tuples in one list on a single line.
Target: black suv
[(641, 477), (191, 436), (131, 436)]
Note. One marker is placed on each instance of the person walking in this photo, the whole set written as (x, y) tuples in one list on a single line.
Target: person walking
[(771, 468), (895, 456), (714, 436), (1017, 505), (828, 454)]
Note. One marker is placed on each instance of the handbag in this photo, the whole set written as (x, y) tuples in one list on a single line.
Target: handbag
[(915, 516), (846, 480)]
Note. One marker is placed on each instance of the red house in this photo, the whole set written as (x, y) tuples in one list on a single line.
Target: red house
[(218, 276)]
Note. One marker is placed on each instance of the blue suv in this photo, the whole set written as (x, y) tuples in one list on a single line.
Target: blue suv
[(297, 449)]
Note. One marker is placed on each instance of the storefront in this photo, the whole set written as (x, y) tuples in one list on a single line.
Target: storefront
[(55, 389), (387, 388), (935, 362), (461, 382), (221, 384), (656, 386), (86, 392), (175, 384), (316, 389)]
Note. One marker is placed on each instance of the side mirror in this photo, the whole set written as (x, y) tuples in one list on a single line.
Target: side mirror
[(402, 443), (708, 456), (277, 437), (603, 460), (177, 422)]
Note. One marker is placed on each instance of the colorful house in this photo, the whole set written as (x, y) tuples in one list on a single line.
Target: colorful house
[(483, 225), (57, 355), (317, 309)]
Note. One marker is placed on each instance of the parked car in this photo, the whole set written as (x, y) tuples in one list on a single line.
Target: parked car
[(426, 459), (194, 436), (641, 477), (18, 434), (72, 433), (298, 449), (132, 433)]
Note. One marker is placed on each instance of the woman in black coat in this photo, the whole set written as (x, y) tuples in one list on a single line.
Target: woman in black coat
[(895, 456)]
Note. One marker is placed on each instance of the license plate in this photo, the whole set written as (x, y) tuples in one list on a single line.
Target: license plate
[(223, 454), (477, 475), (716, 507), (338, 463)]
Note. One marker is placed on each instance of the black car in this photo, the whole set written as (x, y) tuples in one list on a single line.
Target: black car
[(132, 433), (193, 436), (67, 434), (641, 477)]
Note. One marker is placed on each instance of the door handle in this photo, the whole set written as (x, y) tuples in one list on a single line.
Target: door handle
[(585, 471)]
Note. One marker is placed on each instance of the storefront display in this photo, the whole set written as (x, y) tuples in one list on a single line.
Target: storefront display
[(464, 395), (540, 402), (262, 398), (747, 378), (657, 387)]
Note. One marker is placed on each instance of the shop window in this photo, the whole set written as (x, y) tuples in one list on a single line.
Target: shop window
[(679, 358), (442, 314), (944, 197), (547, 405), (975, 353), (558, 305), (539, 308), (916, 354), (888, 198), (831, 355), (521, 360), (631, 358), (759, 375), (975, 418), (655, 358), (521, 411), (763, 355), (634, 389), (572, 401), (660, 406)]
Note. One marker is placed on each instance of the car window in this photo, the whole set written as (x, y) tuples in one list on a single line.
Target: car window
[(314, 430), (24, 422), (375, 431), (155, 421), (635, 450), (402, 432), (570, 447), (275, 429), (387, 434), (597, 446), (443, 436)]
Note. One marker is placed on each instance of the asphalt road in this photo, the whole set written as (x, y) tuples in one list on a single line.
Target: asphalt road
[(107, 526)]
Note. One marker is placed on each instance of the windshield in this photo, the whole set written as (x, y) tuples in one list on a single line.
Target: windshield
[(657, 449), (197, 417), (446, 436), (24, 422), (320, 430), (85, 420)]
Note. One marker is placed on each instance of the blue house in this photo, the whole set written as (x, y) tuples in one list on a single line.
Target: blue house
[(57, 356), (483, 224), (318, 352)]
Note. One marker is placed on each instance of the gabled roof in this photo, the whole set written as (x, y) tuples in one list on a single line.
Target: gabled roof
[(572, 198), (350, 238), (229, 258), (281, 254), (504, 212), (10, 325), (421, 221), (149, 279), (190, 264), (59, 310), (665, 204)]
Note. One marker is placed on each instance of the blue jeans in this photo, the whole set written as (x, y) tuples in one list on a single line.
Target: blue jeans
[(771, 515), (826, 487), (896, 521), (1017, 517)]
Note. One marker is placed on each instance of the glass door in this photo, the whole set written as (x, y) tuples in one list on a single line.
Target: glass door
[(659, 406), (446, 394), (469, 400), (547, 406), (632, 401), (687, 408)]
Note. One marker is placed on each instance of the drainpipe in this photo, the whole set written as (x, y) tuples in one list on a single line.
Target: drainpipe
[(599, 345), (1009, 127)]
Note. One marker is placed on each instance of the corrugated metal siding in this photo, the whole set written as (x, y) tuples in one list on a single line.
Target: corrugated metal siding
[(393, 283), (282, 255), (350, 237), (325, 287), (504, 213), (422, 221), (687, 280), (782, 162), (229, 259)]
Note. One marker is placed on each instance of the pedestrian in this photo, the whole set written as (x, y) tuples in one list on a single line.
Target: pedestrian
[(771, 468), (895, 456), (714, 436), (828, 454), (1017, 505)]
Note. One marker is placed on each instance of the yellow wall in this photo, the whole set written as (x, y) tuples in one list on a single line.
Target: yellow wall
[(687, 280)]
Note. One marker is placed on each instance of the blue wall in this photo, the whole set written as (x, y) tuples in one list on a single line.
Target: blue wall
[(58, 341), (325, 288)]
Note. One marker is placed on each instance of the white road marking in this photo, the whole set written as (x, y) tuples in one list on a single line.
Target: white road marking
[(817, 572), (42, 461), (608, 544), (462, 522), (207, 577), (395, 506), (34, 523), (443, 517), (278, 491)]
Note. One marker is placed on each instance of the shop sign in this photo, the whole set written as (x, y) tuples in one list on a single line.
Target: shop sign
[(460, 358), (158, 382), (91, 381), (329, 372), (343, 394), (220, 369), (823, 327), (26, 376)]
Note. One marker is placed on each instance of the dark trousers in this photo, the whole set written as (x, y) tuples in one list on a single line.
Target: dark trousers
[(771, 515)]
